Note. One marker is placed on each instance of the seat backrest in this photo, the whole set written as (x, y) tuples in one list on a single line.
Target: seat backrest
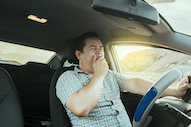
[(58, 115), (10, 108), (35, 90)]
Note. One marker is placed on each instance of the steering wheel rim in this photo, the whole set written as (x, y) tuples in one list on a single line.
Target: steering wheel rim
[(156, 90)]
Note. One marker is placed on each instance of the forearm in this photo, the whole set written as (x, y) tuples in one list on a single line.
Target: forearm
[(141, 86), (83, 101), (169, 92), (144, 85), (137, 85)]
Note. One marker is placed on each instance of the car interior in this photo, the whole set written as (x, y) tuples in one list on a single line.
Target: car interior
[(27, 90)]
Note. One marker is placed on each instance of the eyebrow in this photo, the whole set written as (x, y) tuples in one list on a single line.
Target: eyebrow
[(94, 46)]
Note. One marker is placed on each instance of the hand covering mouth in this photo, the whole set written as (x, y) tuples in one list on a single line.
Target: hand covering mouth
[(99, 55)]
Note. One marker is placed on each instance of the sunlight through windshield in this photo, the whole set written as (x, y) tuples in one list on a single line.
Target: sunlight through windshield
[(176, 13)]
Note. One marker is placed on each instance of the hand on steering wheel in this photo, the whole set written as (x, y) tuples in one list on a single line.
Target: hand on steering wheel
[(187, 96), (156, 90)]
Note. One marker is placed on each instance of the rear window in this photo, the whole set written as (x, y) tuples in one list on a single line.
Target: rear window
[(19, 54)]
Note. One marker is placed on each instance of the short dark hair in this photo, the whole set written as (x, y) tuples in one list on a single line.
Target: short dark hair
[(78, 44)]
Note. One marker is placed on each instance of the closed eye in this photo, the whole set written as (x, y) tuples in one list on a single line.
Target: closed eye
[(93, 48), (101, 48)]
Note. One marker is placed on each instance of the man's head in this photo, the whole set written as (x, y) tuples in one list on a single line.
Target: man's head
[(79, 42), (87, 46)]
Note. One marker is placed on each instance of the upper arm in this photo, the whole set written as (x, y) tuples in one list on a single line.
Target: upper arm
[(120, 79), (67, 84), (129, 85)]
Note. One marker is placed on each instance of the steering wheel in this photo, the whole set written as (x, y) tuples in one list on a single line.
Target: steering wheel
[(147, 102)]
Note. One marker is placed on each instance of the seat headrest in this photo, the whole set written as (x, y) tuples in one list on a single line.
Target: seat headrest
[(37, 67), (72, 57), (68, 64)]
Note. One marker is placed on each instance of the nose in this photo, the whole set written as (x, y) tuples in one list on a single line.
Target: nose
[(99, 52)]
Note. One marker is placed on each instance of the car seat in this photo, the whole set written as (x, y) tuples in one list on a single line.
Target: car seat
[(58, 115), (34, 93), (10, 108)]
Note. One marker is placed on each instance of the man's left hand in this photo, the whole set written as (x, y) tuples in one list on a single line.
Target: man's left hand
[(182, 87)]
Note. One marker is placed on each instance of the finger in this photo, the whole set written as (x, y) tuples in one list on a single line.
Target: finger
[(186, 86), (94, 58), (100, 58), (184, 81)]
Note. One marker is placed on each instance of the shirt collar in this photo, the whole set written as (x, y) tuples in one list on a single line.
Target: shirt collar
[(77, 70)]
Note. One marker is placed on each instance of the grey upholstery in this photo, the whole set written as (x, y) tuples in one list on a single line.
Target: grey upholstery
[(10, 108), (58, 114)]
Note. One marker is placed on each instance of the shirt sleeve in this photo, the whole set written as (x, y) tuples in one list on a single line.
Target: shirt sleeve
[(67, 84), (120, 79)]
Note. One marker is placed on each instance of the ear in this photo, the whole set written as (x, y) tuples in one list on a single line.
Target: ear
[(78, 54)]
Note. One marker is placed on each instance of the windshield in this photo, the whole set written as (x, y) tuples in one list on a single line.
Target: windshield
[(176, 12), (149, 62)]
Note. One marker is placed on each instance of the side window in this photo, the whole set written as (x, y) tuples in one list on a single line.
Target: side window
[(149, 62), (20, 54)]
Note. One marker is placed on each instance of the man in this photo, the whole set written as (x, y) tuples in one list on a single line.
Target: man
[(91, 93)]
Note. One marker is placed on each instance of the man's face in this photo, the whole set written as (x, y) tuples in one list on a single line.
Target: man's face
[(93, 47)]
